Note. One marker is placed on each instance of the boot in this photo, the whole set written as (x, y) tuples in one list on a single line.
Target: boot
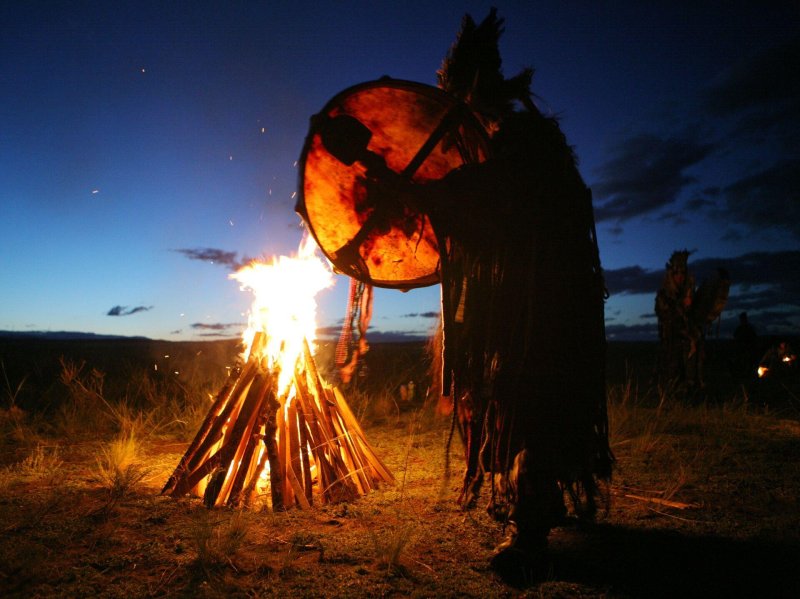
[(520, 559), (537, 505)]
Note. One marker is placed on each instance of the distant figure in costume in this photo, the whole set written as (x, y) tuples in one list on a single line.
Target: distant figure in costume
[(684, 311), (523, 295), (679, 357)]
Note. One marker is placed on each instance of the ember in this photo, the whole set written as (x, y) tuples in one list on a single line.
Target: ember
[(277, 434)]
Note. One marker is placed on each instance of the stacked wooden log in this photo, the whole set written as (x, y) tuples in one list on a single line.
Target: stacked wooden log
[(258, 445)]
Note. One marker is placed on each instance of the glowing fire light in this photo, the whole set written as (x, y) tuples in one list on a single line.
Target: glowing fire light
[(762, 371), (276, 430), (284, 308)]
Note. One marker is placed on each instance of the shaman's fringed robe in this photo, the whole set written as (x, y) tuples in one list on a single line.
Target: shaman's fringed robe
[(522, 295)]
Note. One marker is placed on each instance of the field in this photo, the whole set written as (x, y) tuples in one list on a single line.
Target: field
[(704, 498)]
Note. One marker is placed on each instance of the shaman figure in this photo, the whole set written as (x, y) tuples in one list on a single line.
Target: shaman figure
[(523, 302), (511, 239)]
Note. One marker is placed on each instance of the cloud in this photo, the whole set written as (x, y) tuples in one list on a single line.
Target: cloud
[(217, 326), (421, 315), (765, 81), (645, 173), (632, 280), (767, 199), (776, 321), (397, 336), (761, 96), (215, 256), (755, 104), (125, 311), (218, 334), (636, 332)]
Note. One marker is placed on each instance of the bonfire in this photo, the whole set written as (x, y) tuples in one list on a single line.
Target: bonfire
[(277, 434)]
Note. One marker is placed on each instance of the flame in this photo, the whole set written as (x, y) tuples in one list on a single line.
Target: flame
[(762, 371), (284, 306), (276, 430)]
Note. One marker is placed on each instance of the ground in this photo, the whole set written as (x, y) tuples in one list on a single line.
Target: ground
[(704, 502)]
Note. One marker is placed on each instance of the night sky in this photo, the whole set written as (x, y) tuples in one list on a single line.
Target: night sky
[(147, 149)]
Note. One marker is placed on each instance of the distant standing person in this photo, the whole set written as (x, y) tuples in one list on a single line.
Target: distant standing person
[(746, 342)]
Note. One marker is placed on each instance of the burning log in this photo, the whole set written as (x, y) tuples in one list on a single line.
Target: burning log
[(303, 445), (275, 440)]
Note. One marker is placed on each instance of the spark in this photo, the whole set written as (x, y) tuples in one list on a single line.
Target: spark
[(294, 193)]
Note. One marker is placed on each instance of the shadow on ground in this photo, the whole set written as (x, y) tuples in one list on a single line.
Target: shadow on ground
[(648, 563)]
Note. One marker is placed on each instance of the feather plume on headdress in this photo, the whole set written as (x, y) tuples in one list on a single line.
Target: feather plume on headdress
[(472, 70)]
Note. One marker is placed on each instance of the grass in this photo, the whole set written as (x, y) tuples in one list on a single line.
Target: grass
[(42, 464), (118, 468), (216, 540), (390, 547), (11, 392), (704, 499)]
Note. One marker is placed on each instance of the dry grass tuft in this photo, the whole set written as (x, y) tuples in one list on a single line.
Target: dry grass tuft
[(391, 546), (216, 538), (118, 468)]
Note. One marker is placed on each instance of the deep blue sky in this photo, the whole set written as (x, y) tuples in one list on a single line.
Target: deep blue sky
[(145, 148)]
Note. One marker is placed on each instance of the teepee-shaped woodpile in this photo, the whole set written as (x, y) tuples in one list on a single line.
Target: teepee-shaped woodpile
[(277, 434), (280, 450)]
